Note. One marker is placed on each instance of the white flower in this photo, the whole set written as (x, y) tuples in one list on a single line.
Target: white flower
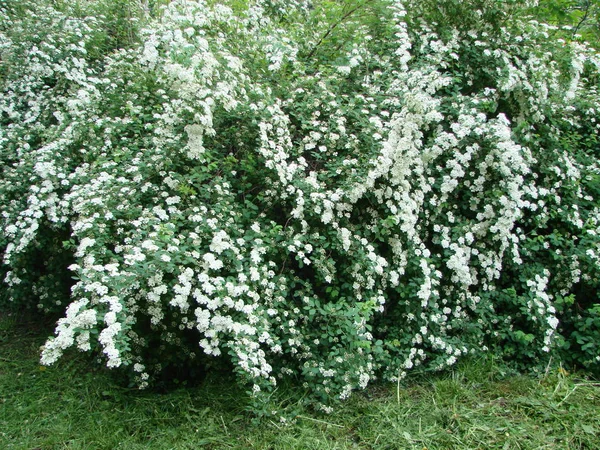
[(212, 262)]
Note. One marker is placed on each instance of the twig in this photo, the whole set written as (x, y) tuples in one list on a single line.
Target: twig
[(583, 19), (333, 27)]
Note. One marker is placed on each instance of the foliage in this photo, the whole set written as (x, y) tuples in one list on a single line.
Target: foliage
[(326, 192), (576, 17)]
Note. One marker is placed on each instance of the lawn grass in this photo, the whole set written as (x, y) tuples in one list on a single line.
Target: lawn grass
[(76, 406)]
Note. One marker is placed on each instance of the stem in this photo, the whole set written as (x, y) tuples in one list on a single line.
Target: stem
[(583, 19), (333, 27)]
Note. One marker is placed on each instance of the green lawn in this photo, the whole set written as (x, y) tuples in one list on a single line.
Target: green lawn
[(71, 406)]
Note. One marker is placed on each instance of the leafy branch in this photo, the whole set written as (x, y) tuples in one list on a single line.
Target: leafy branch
[(335, 25)]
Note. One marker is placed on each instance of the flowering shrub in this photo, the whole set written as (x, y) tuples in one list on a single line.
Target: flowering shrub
[(329, 193)]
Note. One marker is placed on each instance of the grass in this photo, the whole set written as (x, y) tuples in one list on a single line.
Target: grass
[(73, 406)]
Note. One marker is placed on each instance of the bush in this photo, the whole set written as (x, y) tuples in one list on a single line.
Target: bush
[(330, 193)]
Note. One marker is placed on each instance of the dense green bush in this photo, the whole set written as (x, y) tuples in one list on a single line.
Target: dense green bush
[(331, 192)]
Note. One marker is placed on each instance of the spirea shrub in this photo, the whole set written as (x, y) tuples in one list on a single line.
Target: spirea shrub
[(328, 193)]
